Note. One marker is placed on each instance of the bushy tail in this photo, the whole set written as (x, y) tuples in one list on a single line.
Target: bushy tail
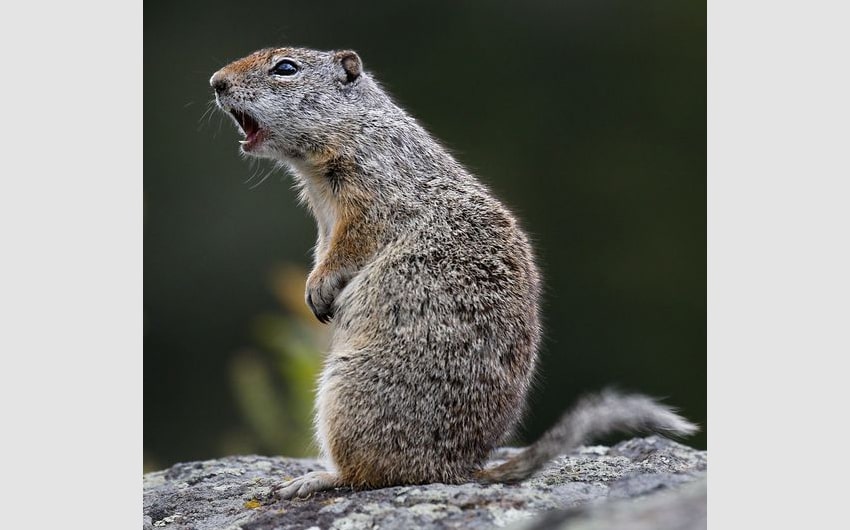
[(593, 416)]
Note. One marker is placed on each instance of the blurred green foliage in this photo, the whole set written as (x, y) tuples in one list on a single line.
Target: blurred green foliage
[(586, 117), (274, 387)]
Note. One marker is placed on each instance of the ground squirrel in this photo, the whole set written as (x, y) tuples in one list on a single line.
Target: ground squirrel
[(430, 282)]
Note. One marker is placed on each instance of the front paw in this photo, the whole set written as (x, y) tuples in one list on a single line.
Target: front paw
[(322, 290)]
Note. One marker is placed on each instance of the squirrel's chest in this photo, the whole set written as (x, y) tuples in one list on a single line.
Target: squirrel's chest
[(326, 213), (320, 200)]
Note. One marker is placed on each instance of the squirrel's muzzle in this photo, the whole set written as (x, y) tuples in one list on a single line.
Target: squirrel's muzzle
[(219, 82)]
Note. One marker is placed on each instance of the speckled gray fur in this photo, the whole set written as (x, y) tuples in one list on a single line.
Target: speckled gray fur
[(429, 281)]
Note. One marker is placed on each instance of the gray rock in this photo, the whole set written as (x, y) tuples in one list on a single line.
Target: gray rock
[(643, 480), (679, 508)]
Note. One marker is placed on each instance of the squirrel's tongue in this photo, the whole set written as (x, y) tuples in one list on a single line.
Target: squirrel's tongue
[(252, 139), (252, 130)]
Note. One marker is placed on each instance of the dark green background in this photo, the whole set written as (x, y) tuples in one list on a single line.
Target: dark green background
[(588, 118)]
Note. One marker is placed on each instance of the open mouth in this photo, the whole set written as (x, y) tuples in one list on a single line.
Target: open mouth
[(254, 134)]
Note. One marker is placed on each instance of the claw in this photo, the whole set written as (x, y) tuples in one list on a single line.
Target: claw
[(323, 316)]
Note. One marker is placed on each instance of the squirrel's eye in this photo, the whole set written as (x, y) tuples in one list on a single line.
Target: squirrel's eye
[(285, 67)]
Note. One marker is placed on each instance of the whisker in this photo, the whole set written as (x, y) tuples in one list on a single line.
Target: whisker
[(255, 169), (206, 115), (220, 118), (266, 176)]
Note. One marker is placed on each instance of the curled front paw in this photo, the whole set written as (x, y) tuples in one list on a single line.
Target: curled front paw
[(322, 290)]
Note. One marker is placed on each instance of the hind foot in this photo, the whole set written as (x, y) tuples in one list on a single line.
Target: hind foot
[(306, 485)]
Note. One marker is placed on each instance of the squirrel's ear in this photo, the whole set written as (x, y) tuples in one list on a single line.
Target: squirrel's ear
[(351, 64)]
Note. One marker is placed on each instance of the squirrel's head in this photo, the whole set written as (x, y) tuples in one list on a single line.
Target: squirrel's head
[(293, 102)]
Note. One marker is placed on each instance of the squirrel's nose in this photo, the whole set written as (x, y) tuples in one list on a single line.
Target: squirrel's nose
[(219, 82)]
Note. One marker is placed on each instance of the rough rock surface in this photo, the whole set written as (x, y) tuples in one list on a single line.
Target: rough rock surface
[(640, 483)]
